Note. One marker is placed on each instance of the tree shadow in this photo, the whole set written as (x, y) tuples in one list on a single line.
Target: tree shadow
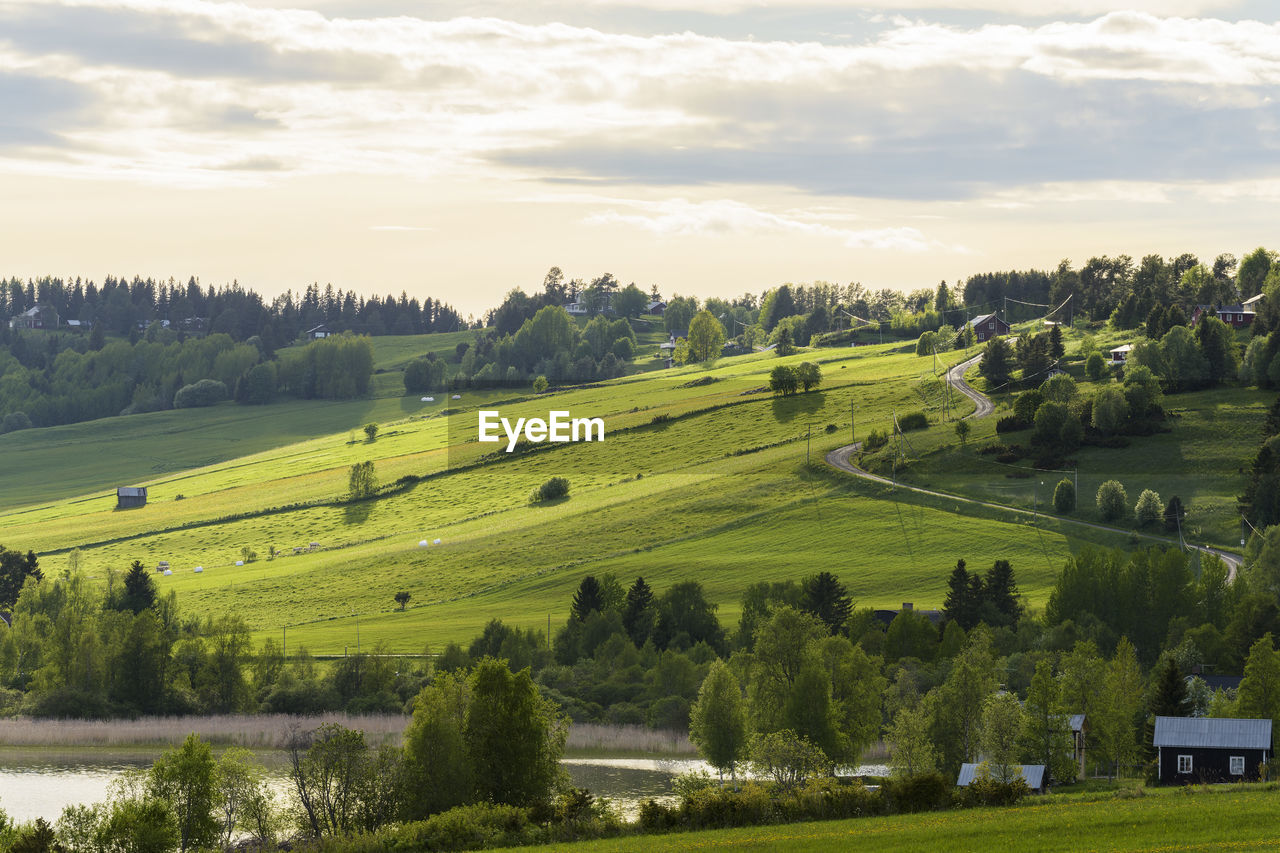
[(357, 512), (789, 408)]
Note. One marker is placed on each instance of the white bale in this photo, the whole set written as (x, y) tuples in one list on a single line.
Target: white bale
[(428, 399), (168, 572), (239, 562), (199, 569), (437, 542), (457, 396), (422, 543)]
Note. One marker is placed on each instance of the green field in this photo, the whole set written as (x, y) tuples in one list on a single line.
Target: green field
[(1221, 818), (702, 475)]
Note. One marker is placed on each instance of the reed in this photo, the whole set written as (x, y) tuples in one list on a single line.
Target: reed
[(627, 739), (254, 731)]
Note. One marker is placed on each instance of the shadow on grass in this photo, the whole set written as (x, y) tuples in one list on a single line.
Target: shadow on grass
[(789, 408), (357, 513)]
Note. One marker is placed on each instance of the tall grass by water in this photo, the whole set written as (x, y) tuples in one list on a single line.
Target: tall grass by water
[(254, 731)]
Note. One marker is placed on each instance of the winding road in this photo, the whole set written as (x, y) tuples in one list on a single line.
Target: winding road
[(840, 458)]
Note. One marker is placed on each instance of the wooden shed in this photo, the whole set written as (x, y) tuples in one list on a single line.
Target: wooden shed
[(130, 497), (1210, 749)]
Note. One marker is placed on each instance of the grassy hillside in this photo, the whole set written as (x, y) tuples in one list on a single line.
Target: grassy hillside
[(702, 475), (1224, 818)]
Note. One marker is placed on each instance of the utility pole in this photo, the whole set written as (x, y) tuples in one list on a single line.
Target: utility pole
[(853, 426), (807, 435), (284, 642)]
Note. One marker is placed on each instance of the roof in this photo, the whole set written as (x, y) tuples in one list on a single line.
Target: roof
[(1077, 722), (323, 327), (1124, 348), (1253, 300), (1032, 774), (1238, 308), (132, 491), (976, 320), (1222, 733)]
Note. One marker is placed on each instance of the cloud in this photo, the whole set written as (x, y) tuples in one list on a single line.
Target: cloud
[(919, 111), (724, 217)]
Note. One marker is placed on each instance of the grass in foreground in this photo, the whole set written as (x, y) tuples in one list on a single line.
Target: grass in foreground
[(1226, 818)]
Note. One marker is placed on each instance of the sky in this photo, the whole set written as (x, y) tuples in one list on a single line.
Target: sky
[(711, 147)]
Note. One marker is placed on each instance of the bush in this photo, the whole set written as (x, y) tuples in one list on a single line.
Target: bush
[(473, 827), (1149, 508), (985, 791), (1026, 404), (556, 487), (1095, 366), (875, 440), (1113, 501), (1064, 497), (1009, 423), (540, 385), (923, 792), (206, 392), (15, 421), (913, 421)]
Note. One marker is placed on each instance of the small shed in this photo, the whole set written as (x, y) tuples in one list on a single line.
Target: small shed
[(988, 326), (1032, 774), (656, 308), (130, 497), (317, 332), (1208, 749), (1079, 732)]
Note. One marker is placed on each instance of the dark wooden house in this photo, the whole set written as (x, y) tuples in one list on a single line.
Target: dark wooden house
[(128, 497), (988, 326), (1205, 749)]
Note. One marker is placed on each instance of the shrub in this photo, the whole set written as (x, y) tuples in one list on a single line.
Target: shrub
[(875, 440), (206, 392), (1095, 366), (1149, 508), (1010, 423), (1112, 500), (985, 791), (370, 431), (913, 421), (994, 448), (556, 487), (540, 385), (1174, 513), (1064, 497), (1025, 405), (15, 421), (473, 827), (962, 431), (922, 792), (786, 758)]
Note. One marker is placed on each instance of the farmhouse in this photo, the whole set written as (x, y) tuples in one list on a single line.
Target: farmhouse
[(656, 308), (1033, 774), (128, 497), (1120, 354), (38, 317), (317, 332), (988, 326), (1238, 316), (1204, 749)]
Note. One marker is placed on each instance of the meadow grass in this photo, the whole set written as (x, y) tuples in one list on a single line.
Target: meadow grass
[(1210, 819)]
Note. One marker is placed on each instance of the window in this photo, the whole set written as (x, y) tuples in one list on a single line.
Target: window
[(1237, 765), (991, 325), (1184, 763)]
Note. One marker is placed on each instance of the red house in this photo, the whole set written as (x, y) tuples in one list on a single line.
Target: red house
[(988, 326), (1239, 315)]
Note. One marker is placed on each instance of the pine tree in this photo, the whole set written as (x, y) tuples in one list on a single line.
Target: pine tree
[(826, 598), (959, 605), (1001, 591), (638, 613), (589, 597), (139, 589)]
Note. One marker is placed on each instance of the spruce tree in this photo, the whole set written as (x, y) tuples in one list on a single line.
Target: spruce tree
[(1001, 591), (588, 598), (960, 605), (637, 613), (826, 598)]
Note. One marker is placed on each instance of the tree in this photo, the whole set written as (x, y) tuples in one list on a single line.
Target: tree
[(15, 568), (1064, 497), (437, 769), (183, 778), (1112, 500), (957, 709), (1149, 509), (1185, 367), (786, 758), (370, 431), (1060, 388), (1217, 341), (783, 380), (325, 766), (911, 751), (1174, 513), (808, 374), (1253, 271), (139, 589), (514, 737), (540, 384), (962, 431), (684, 616), (638, 612), (1000, 591), (706, 337), (1046, 735), (402, 598), (630, 301), (1001, 731), (1115, 720), (828, 600), (785, 345), (242, 797), (1260, 688), (964, 596), (996, 365), (1095, 366), (1142, 392), (1056, 348), (587, 599), (1110, 410), (718, 720), (362, 482)]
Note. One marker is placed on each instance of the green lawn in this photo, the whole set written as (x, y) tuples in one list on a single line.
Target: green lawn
[(1165, 820)]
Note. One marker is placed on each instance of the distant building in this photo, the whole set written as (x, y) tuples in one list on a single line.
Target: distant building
[(1079, 731), (988, 326), (1237, 316), (317, 332), (37, 317), (1210, 749), (657, 308), (886, 617), (1120, 354), (130, 497), (1032, 774)]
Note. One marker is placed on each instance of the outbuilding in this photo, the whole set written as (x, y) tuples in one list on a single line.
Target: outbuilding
[(1207, 749), (1032, 774), (129, 497)]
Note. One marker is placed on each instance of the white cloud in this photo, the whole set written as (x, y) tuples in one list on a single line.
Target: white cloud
[(724, 217)]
